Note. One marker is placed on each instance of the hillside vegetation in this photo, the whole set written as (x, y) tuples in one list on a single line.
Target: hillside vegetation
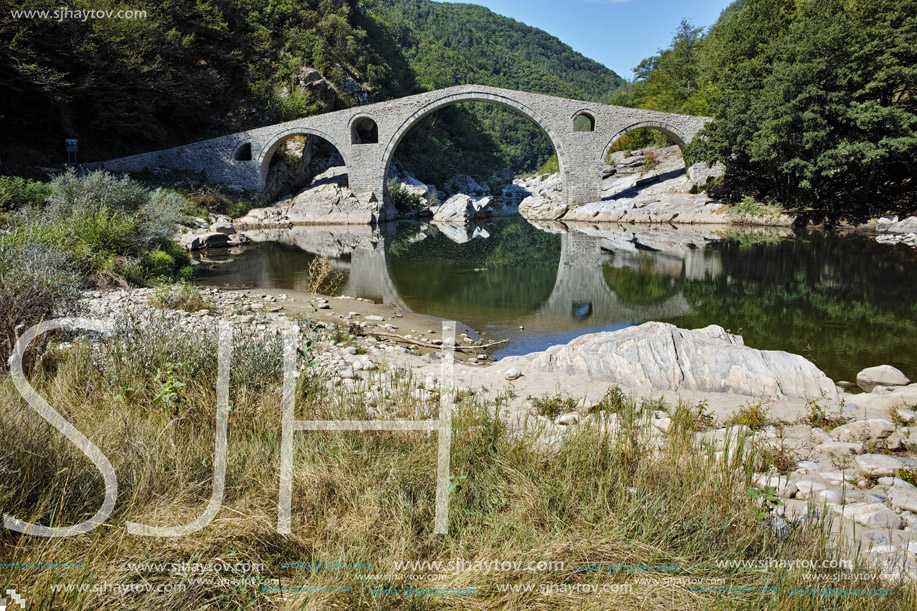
[(815, 101), (192, 70)]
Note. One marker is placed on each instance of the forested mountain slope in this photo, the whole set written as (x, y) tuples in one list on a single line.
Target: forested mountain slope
[(190, 70)]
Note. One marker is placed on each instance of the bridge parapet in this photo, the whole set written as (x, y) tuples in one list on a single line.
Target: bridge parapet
[(368, 136)]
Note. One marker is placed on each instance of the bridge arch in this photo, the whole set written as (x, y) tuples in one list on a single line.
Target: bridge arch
[(471, 96), (276, 139), (583, 121), (669, 130)]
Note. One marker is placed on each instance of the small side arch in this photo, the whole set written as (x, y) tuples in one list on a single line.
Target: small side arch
[(243, 152), (363, 130), (665, 128), (268, 150), (583, 121)]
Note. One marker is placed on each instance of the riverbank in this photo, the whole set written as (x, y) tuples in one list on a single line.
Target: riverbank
[(845, 453)]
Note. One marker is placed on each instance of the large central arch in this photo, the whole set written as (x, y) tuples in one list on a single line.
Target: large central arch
[(470, 96)]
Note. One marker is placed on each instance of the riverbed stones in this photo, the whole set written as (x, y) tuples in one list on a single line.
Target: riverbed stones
[(567, 419), (903, 498), (882, 465), (838, 448), (513, 373), (864, 431), (782, 485), (872, 515), (807, 489), (661, 356), (882, 375)]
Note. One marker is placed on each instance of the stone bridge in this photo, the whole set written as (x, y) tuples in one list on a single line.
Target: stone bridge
[(367, 137)]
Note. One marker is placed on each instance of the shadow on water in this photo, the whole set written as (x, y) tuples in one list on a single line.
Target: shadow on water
[(844, 302)]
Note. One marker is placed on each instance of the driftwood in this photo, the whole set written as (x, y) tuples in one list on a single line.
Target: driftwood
[(358, 330)]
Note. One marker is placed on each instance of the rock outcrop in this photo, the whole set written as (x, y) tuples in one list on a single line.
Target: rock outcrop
[(462, 209), (894, 231), (325, 202), (649, 186), (661, 356)]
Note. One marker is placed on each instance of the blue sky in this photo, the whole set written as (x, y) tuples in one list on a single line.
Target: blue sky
[(617, 33)]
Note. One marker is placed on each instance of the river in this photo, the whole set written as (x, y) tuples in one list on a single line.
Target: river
[(845, 302)]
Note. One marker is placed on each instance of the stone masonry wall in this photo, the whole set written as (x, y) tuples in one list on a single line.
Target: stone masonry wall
[(580, 154)]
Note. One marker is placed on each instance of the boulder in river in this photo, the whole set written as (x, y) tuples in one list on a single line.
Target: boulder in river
[(462, 208), (882, 375), (661, 356)]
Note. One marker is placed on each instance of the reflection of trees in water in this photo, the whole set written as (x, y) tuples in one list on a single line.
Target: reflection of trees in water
[(644, 285), (514, 270), (843, 303)]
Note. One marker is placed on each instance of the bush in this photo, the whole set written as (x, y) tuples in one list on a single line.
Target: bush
[(752, 416), (18, 193), (552, 406), (34, 282), (94, 229), (181, 296), (403, 199), (106, 225)]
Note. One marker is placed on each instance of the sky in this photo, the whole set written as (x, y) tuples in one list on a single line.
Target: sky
[(617, 33)]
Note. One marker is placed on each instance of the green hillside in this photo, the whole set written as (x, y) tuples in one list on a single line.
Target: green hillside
[(448, 44), (451, 44), (814, 102), (191, 70)]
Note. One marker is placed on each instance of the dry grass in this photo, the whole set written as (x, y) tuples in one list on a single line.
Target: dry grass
[(369, 497)]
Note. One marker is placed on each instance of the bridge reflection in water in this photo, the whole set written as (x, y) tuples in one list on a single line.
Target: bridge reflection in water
[(845, 302), (547, 277)]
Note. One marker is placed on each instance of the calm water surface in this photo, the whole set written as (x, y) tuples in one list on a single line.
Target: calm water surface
[(844, 302)]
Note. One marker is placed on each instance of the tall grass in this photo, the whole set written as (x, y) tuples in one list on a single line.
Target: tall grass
[(595, 497)]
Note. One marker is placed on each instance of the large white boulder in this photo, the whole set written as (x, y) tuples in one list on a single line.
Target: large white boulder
[(661, 356), (332, 204), (542, 208), (881, 375), (462, 208)]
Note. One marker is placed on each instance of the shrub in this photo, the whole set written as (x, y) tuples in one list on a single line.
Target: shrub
[(403, 199), (18, 193), (34, 282), (650, 161), (106, 225), (752, 416), (552, 406), (817, 417), (751, 210), (181, 296)]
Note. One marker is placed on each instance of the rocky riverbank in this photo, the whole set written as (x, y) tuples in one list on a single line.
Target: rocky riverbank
[(846, 451), (645, 187)]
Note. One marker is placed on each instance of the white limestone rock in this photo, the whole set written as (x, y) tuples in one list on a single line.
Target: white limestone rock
[(872, 515), (661, 356), (882, 465), (331, 204), (903, 498), (882, 375), (864, 430), (462, 209)]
